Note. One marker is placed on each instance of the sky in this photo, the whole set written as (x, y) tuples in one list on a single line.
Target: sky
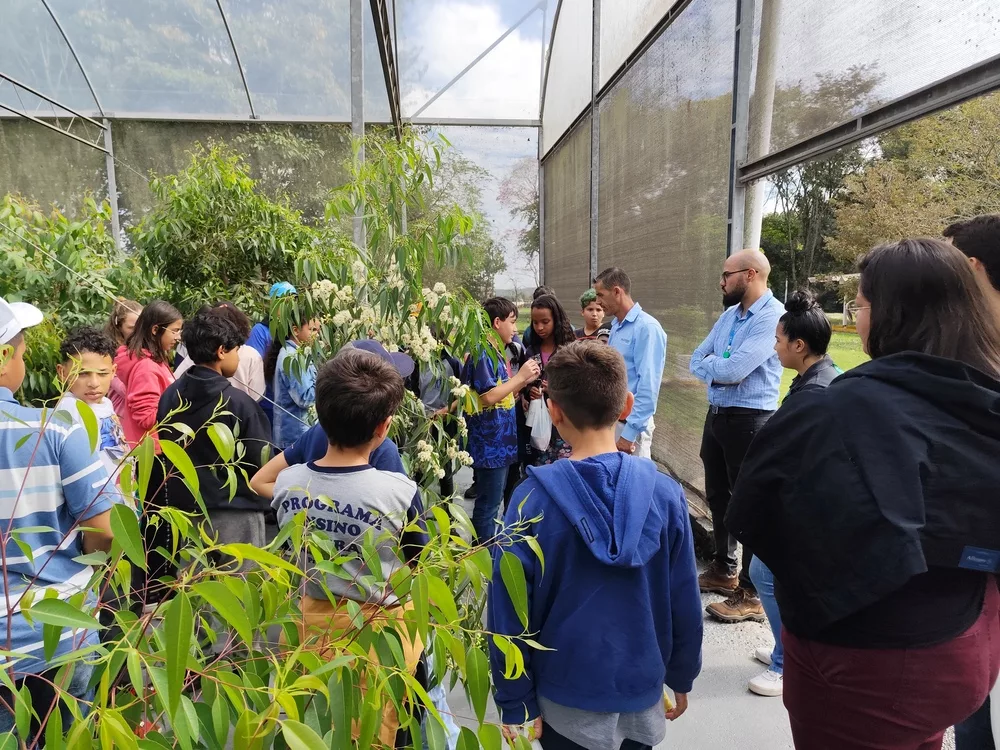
[(497, 150)]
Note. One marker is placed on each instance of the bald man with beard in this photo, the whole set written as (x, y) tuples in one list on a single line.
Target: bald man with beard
[(738, 363)]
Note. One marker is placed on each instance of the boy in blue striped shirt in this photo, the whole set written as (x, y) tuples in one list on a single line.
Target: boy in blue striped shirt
[(51, 485)]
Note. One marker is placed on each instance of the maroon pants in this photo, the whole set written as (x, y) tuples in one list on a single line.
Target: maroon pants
[(894, 699)]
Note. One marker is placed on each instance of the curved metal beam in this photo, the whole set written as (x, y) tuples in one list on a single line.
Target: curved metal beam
[(548, 56), (76, 57), (239, 64)]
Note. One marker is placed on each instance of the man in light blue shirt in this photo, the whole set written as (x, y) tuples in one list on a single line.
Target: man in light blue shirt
[(642, 342), (738, 363)]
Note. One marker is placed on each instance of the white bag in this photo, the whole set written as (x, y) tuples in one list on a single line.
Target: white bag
[(540, 423)]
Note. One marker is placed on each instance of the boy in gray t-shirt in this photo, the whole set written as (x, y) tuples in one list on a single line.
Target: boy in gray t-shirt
[(357, 393)]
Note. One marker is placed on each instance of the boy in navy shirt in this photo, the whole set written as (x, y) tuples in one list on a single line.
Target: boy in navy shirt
[(313, 443), (618, 603), (493, 441)]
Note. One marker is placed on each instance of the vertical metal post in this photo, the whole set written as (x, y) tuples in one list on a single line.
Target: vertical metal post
[(762, 111), (540, 276), (358, 100), (743, 62), (109, 163), (595, 137)]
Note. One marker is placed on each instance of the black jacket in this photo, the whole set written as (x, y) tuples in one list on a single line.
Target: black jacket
[(200, 393), (850, 491), (819, 375)]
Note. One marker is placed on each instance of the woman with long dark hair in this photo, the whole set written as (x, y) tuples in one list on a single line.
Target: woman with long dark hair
[(551, 329), (801, 340), (144, 367), (873, 502)]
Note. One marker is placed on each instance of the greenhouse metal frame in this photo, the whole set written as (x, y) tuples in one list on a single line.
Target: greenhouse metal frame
[(657, 122)]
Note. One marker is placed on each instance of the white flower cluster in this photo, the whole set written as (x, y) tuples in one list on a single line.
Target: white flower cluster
[(426, 460), (323, 290), (359, 271), (454, 454), (393, 280), (418, 340), (342, 318), (445, 315), (458, 389), (346, 294), (431, 298), (368, 317), (463, 428), (440, 288)]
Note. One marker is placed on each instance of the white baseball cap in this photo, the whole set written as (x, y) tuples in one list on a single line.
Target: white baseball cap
[(15, 317)]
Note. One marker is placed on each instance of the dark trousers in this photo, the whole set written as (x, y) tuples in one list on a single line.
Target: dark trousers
[(552, 740), (842, 698), (724, 443), (146, 587), (976, 732)]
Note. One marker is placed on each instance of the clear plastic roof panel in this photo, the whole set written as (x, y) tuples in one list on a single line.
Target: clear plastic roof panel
[(820, 63), (438, 39), (155, 56), (376, 93), (507, 159), (569, 79), (34, 52), (296, 54), (624, 24)]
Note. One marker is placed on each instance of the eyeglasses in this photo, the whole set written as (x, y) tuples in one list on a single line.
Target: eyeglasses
[(727, 274), (853, 308)]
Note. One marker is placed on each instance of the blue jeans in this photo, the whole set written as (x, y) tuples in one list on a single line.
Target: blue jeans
[(976, 732), (763, 579), (490, 484)]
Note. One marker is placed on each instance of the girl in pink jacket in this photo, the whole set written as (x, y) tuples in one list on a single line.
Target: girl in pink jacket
[(144, 369)]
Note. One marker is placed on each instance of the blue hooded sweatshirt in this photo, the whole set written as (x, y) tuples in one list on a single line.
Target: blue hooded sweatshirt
[(618, 601)]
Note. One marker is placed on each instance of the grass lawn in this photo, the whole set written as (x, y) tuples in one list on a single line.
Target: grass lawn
[(845, 348)]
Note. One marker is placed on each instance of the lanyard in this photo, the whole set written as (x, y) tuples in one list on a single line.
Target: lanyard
[(732, 334)]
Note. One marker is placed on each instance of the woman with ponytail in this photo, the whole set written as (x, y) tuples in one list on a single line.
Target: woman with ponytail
[(801, 340)]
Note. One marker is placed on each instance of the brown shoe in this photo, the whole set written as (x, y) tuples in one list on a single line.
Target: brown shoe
[(741, 606), (717, 580)]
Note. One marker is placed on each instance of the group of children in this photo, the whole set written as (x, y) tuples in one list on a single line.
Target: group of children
[(614, 532)]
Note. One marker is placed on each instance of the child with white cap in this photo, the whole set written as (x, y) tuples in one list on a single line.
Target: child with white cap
[(51, 484)]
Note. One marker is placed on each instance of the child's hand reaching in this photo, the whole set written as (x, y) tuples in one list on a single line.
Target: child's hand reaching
[(534, 730), (529, 371)]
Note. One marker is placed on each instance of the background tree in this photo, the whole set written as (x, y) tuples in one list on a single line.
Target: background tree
[(924, 175), (519, 195), (213, 235)]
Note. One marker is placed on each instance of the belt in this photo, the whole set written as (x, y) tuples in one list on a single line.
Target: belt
[(738, 410)]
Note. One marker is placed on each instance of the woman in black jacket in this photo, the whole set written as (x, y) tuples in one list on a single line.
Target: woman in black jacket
[(874, 503), (801, 340)]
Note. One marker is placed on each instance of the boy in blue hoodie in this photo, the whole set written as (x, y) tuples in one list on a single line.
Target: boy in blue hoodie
[(618, 600)]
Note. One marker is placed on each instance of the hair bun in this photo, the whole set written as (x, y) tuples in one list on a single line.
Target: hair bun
[(801, 302)]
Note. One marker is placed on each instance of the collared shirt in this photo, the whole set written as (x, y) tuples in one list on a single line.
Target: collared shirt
[(750, 376), (50, 483), (643, 343), (492, 429)]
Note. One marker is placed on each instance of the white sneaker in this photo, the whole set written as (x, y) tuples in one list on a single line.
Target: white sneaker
[(767, 683), (763, 655)]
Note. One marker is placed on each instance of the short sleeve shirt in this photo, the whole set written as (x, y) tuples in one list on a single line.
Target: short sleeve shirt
[(493, 429)]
